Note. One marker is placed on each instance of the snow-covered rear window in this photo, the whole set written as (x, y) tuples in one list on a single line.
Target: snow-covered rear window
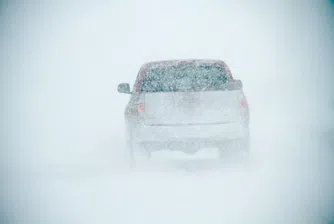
[(184, 78)]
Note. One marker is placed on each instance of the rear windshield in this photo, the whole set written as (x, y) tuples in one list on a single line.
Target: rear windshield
[(184, 79)]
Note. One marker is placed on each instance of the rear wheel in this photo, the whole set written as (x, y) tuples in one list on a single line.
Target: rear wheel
[(137, 154), (235, 151)]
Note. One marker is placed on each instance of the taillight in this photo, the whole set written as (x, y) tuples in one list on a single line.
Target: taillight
[(243, 104), (141, 108)]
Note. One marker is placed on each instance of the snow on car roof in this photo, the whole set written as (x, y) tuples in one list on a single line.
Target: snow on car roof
[(180, 62), (155, 64)]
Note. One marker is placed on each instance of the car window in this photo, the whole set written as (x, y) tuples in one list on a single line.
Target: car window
[(185, 78)]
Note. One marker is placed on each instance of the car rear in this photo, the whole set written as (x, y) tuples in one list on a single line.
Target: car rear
[(189, 106)]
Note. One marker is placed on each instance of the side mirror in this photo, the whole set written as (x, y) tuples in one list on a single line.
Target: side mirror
[(235, 85), (124, 88), (238, 84)]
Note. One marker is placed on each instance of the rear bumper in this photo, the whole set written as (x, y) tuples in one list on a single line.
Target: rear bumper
[(207, 134), (183, 145)]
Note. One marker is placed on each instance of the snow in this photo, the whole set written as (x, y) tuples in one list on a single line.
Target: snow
[(63, 129)]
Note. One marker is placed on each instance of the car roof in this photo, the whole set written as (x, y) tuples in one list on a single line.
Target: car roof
[(155, 64), (166, 63)]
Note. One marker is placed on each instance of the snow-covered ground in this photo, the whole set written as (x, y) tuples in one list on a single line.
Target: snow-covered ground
[(63, 129)]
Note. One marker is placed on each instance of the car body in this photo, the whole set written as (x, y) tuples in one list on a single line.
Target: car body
[(186, 105)]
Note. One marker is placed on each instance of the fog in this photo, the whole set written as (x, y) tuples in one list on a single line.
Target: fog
[(62, 122)]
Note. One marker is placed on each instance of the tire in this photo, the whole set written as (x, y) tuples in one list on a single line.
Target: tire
[(137, 155), (235, 151)]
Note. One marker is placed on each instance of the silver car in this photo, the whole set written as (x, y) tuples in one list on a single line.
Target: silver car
[(185, 105)]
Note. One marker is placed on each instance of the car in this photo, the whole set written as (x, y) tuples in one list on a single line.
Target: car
[(185, 105)]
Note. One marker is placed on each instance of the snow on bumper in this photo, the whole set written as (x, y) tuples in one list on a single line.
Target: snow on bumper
[(215, 132)]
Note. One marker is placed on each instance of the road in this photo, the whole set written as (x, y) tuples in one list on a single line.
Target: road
[(177, 188)]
